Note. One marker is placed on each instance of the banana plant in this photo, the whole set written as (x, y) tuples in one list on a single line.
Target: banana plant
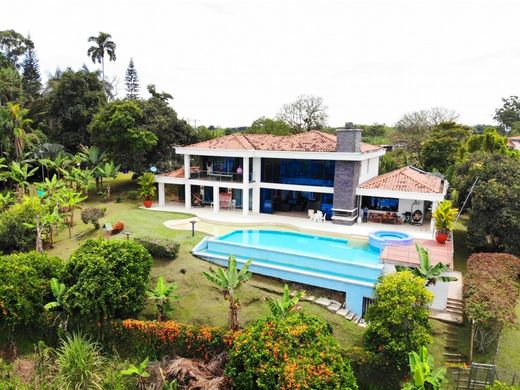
[(20, 174), (230, 282), (280, 308), (432, 274), (50, 187), (162, 294), (58, 289), (69, 200), (424, 376), (108, 171), (140, 372), (6, 199)]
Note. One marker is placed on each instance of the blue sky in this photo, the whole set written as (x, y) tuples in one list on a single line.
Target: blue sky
[(228, 62)]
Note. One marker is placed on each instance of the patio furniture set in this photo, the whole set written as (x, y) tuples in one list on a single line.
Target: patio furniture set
[(317, 216)]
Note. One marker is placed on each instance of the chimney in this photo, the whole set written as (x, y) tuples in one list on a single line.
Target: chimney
[(348, 139)]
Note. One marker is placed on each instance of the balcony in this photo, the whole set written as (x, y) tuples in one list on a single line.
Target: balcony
[(215, 176)]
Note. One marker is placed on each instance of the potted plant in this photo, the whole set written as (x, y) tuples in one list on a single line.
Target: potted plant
[(147, 188), (444, 217)]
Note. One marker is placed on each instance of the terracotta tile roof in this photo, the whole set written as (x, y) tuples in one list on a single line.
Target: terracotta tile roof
[(180, 172), (407, 179), (311, 141)]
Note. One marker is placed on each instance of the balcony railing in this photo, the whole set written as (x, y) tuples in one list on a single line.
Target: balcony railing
[(230, 177)]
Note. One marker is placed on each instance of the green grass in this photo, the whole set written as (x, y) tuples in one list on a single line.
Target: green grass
[(508, 357), (461, 249)]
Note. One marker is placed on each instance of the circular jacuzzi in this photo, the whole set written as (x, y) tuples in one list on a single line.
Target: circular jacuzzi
[(380, 238)]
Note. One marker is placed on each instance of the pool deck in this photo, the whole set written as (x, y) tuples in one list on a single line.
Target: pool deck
[(235, 217), (407, 255)]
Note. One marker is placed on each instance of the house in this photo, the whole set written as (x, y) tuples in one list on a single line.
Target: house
[(334, 173), (514, 142)]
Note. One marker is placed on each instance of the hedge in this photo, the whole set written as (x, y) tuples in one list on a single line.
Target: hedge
[(170, 338), (162, 249)]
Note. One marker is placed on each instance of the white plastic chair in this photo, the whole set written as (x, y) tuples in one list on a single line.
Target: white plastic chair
[(320, 217), (233, 204), (310, 213)]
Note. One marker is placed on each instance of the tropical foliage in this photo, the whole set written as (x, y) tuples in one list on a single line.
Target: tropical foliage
[(444, 216), (297, 351), (432, 274), (491, 294), (162, 295), (106, 279), (398, 320), (422, 372), (229, 282), (281, 307)]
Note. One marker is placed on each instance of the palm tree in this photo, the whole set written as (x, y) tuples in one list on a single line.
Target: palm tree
[(230, 281), (162, 294), (280, 308), (19, 126), (102, 45), (432, 274)]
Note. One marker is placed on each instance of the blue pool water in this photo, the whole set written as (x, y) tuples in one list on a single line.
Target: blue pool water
[(333, 263), (305, 244)]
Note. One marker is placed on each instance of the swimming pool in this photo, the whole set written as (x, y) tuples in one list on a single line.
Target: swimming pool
[(333, 263)]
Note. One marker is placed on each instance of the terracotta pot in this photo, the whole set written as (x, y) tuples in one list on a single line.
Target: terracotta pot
[(147, 203), (441, 237)]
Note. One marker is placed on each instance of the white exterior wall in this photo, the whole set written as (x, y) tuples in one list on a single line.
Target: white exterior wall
[(369, 169), (405, 205)]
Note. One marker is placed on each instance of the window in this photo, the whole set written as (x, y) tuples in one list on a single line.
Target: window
[(381, 204)]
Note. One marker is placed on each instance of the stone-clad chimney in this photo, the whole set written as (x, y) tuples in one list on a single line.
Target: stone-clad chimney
[(348, 139), (346, 175)]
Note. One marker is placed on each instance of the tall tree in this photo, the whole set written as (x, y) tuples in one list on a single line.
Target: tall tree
[(415, 126), (20, 124), (307, 112), (509, 114), (132, 81), (10, 85), (13, 45), (265, 125), (103, 45), (444, 146), (31, 78), (72, 98)]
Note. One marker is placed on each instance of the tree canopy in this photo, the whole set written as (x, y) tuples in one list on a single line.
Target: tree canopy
[(307, 112)]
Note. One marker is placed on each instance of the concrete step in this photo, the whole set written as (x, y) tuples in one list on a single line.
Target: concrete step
[(334, 307), (350, 316)]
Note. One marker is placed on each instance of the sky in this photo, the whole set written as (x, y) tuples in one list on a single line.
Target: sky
[(229, 62)]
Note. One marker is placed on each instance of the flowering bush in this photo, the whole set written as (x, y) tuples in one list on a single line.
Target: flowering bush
[(159, 339), (294, 352), (118, 227)]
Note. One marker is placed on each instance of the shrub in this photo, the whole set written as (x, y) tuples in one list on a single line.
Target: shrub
[(132, 195), (24, 287), (398, 320), (159, 339), (15, 234), (107, 279), (92, 215), (80, 363), (297, 351), (501, 386), (491, 294), (163, 249), (118, 227)]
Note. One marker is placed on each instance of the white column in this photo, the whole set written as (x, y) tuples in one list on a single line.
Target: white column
[(432, 222), (187, 185), (245, 186), (257, 172), (162, 198), (216, 199), (187, 195)]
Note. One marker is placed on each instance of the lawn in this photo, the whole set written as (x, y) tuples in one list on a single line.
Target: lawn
[(200, 302)]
